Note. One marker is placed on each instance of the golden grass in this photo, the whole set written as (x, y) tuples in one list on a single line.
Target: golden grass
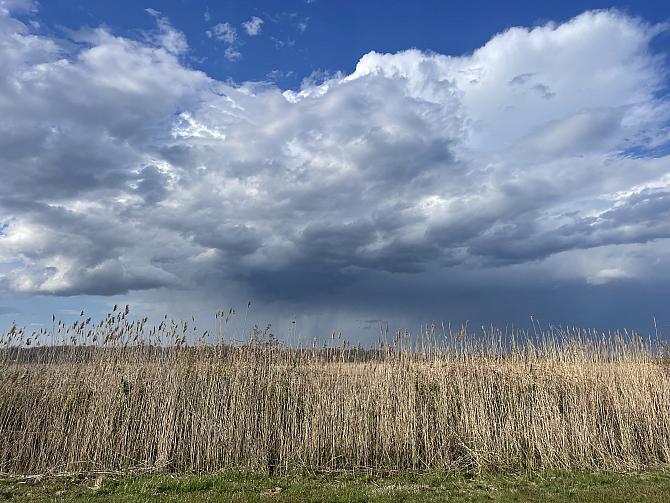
[(121, 395)]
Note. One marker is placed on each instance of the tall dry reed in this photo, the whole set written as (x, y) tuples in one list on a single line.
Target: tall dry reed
[(121, 395)]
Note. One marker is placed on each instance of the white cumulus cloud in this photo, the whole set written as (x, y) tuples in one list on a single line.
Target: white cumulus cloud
[(253, 26), (225, 32), (124, 170)]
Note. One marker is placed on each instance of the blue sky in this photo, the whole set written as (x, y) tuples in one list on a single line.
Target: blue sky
[(339, 163), (299, 37)]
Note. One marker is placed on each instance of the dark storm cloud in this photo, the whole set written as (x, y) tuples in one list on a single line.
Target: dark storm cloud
[(425, 177), (641, 217)]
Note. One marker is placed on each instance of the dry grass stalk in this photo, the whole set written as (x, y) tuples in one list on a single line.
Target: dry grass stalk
[(121, 394)]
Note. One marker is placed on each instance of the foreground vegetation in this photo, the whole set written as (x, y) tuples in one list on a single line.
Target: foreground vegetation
[(650, 487), (124, 395)]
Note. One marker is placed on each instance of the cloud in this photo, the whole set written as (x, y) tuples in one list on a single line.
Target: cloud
[(418, 176), (228, 34), (232, 54), (279, 43), (521, 79), (253, 26), (172, 40), (224, 32), (14, 6), (278, 75), (604, 276)]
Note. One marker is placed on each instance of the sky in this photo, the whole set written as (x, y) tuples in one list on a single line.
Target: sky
[(337, 164)]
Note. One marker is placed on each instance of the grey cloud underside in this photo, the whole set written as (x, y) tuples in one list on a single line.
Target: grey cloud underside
[(640, 218), (123, 169)]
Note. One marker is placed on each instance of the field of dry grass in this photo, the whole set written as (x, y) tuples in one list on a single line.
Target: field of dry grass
[(122, 395)]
